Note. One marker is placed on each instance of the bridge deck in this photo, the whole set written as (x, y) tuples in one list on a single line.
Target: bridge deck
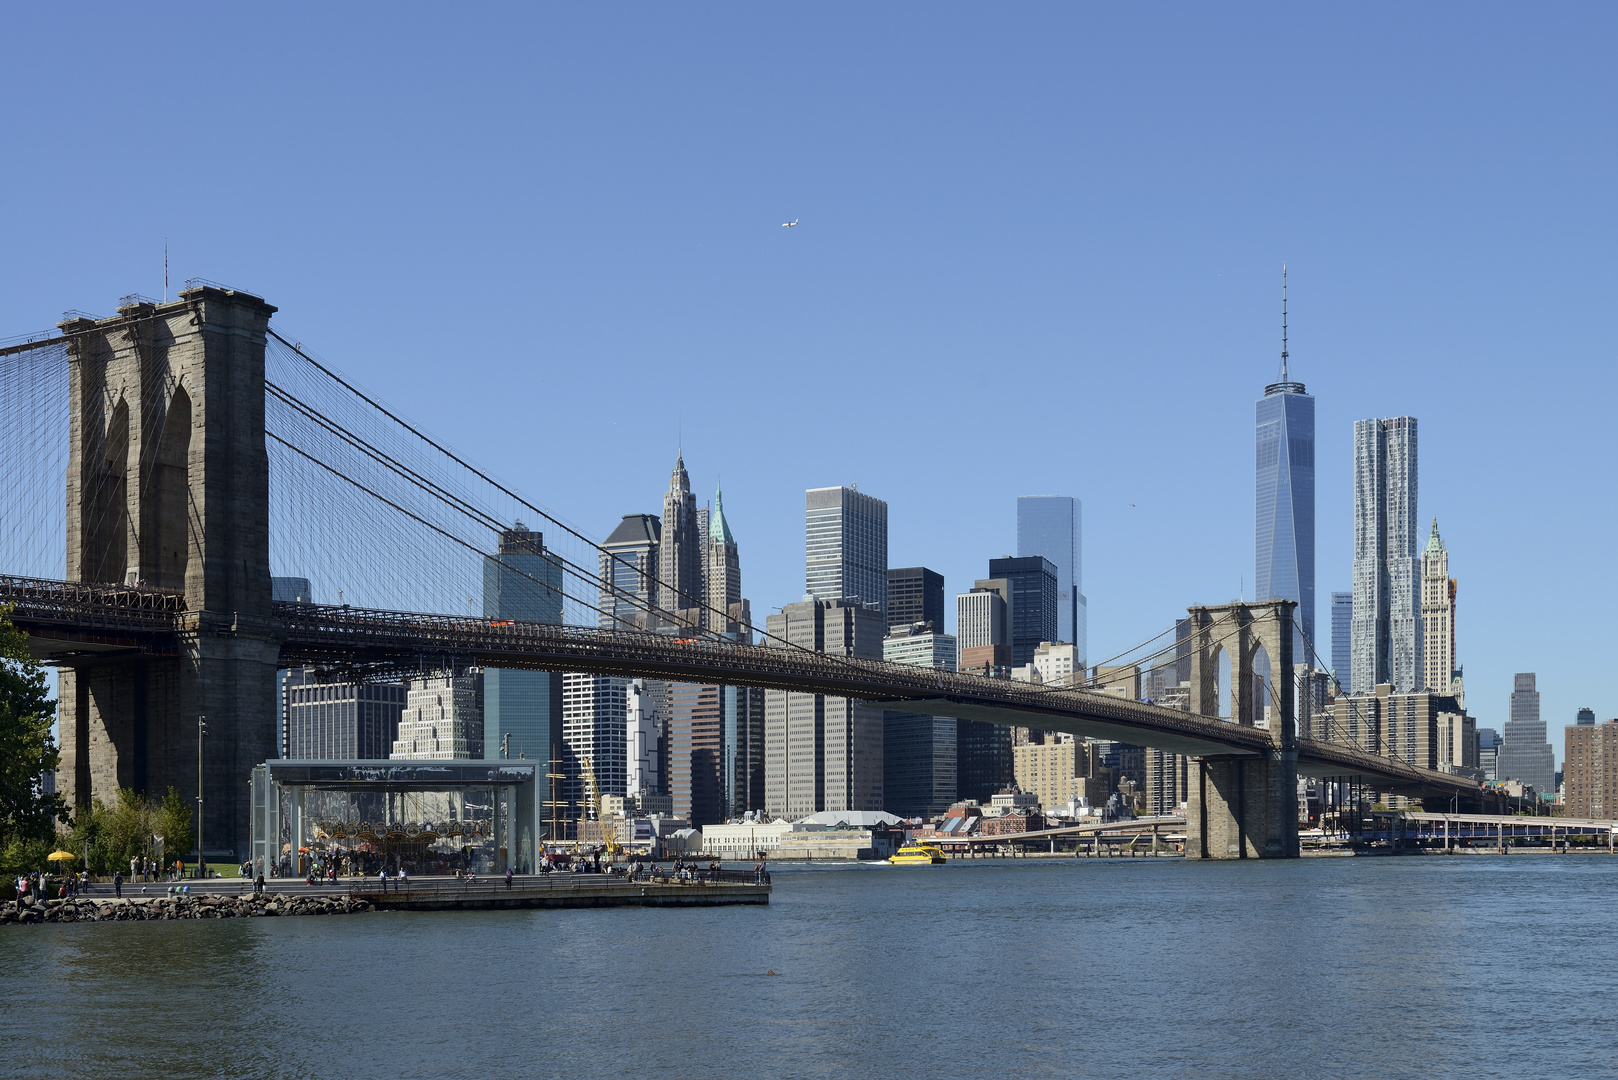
[(75, 620)]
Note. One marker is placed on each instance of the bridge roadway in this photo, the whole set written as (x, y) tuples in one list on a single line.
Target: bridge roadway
[(77, 623)]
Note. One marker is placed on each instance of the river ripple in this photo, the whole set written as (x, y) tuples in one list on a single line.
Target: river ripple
[(1384, 967)]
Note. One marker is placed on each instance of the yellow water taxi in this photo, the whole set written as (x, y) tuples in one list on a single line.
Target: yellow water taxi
[(917, 855)]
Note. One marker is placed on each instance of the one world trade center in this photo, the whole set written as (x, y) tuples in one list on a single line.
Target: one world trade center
[(1284, 502)]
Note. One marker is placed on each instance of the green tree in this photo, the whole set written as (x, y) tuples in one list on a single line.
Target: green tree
[(129, 828), (171, 819), (28, 816)]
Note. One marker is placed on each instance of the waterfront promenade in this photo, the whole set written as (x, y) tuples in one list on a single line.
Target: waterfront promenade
[(702, 888), (709, 888)]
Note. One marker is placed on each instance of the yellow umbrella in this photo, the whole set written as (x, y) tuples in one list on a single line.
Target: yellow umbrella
[(61, 856)]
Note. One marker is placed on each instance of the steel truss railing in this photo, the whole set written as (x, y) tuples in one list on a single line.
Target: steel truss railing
[(323, 634), (391, 643), (91, 606), (384, 640)]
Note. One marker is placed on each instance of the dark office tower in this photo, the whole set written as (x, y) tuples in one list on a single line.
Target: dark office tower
[(743, 720), (1586, 716), (679, 555), (1052, 526), (846, 547), (915, 595), (1284, 496), (983, 760), (287, 590), (522, 582), (1033, 603), (628, 564), (741, 742), (697, 752), (918, 763), (1342, 626)]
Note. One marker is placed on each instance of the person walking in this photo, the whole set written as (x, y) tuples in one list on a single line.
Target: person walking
[(118, 884), (508, 877)]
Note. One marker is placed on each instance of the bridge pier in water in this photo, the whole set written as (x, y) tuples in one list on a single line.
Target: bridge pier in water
[(1244, 806), (168, 487)]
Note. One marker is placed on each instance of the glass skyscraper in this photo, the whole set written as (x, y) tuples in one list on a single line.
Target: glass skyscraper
[(1342, 623), (846, 547), (523, 583), (1053, 526), (1284, 504), (1032, 611)]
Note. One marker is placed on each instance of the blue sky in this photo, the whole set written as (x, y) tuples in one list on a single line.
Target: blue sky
[(1040, 252)]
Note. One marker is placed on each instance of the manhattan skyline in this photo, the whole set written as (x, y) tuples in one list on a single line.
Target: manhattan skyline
[(1121, 259)]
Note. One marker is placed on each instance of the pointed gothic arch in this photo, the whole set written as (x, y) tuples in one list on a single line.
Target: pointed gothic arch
[(167, 535), (106, 546)]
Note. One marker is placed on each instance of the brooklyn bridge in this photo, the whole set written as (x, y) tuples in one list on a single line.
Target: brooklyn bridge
[(161, 461)]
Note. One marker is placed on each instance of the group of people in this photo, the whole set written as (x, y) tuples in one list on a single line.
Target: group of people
[(75, 883), (400, 880), (38, 885), (682, 871)]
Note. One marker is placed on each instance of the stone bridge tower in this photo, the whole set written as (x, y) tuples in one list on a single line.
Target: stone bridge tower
[(168, 487), (1244, 807)]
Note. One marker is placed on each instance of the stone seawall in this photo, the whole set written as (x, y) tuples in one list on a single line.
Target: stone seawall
[(200, 906)]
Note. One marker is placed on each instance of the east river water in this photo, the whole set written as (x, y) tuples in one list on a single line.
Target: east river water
[(1479, 966)]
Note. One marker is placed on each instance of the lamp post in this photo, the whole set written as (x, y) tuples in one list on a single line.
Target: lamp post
[(202, 733)]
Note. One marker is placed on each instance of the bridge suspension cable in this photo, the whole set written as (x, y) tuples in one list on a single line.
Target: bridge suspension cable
[(323, 424)]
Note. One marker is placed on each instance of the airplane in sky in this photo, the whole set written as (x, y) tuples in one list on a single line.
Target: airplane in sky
[(789, 224)]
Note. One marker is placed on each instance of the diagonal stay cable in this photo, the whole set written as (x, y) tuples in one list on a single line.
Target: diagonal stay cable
[(466, 508), (423, 521), (486, 478)]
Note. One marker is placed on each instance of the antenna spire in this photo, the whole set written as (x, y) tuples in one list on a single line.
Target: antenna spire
[(1284, 322)]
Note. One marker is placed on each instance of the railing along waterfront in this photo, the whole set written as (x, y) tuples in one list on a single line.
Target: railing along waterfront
[(560, 881)]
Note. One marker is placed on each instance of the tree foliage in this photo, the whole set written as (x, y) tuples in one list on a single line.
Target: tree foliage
[(28, 816), (130, 828)]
